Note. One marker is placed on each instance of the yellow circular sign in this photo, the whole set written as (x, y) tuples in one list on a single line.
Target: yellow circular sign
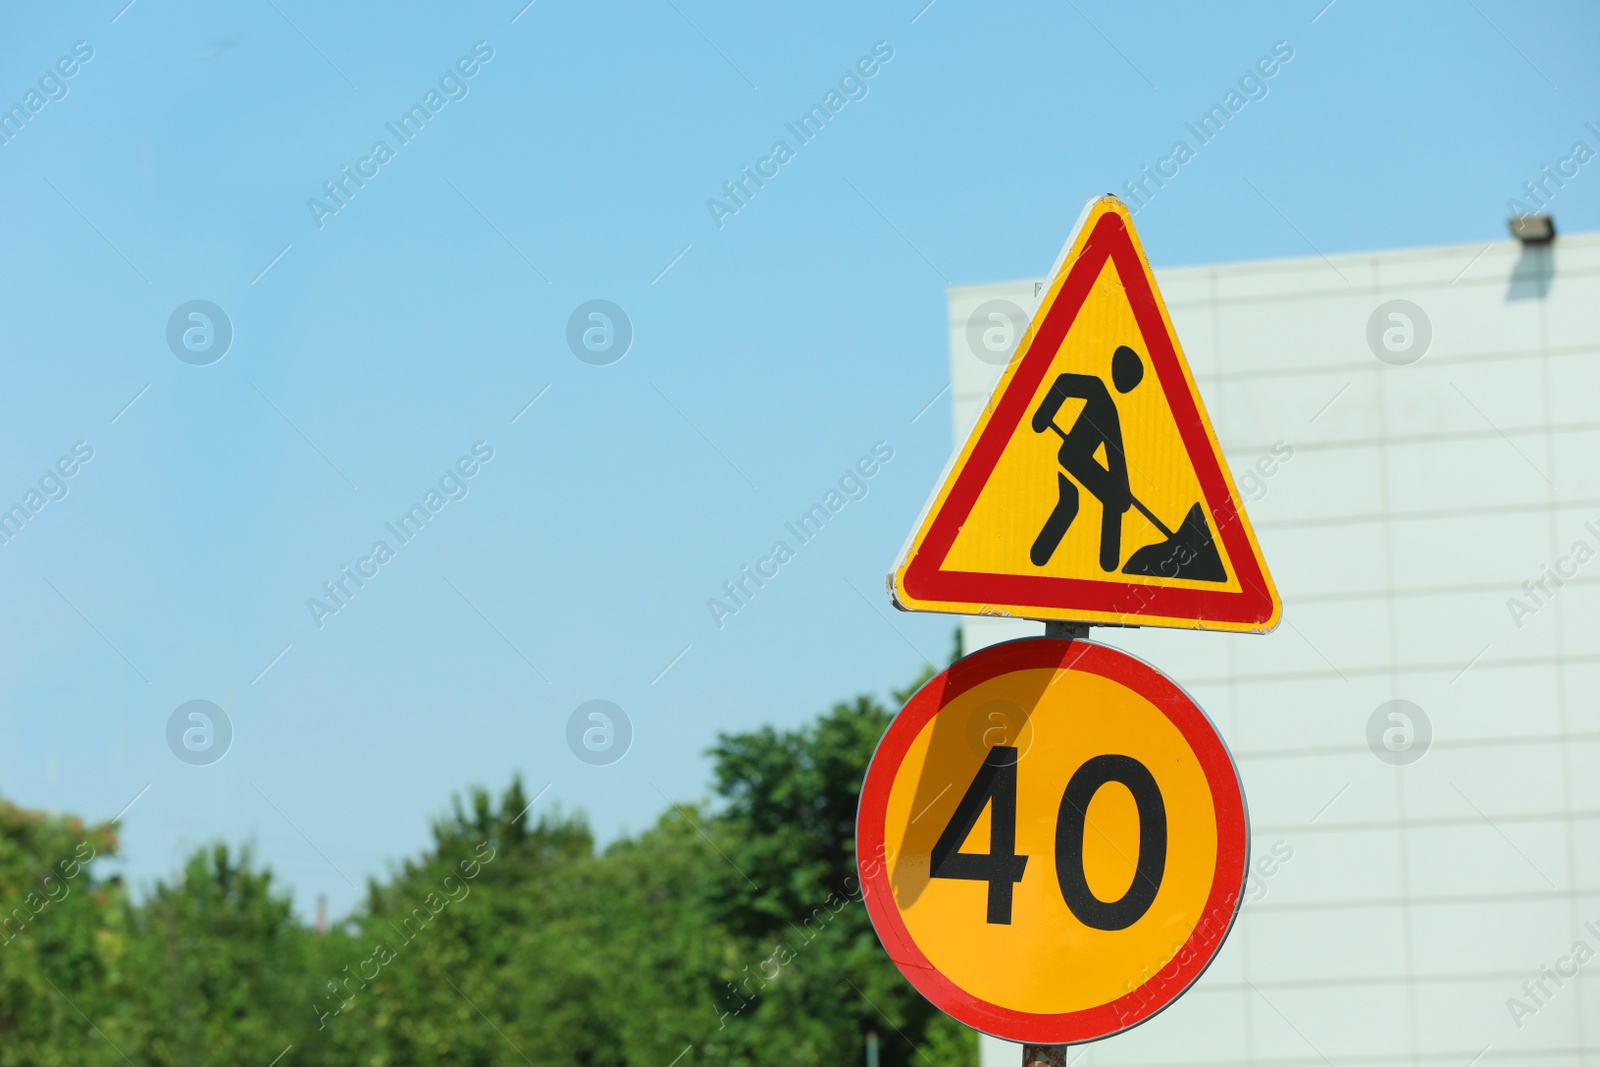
[(1053, 841)]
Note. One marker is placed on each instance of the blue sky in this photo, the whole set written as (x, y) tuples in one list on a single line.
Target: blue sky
[(769, 354)]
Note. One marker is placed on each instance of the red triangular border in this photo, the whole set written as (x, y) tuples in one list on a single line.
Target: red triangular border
[(927, 580)]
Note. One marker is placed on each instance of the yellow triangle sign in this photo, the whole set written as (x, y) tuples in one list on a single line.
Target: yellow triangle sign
[(1092, 488)]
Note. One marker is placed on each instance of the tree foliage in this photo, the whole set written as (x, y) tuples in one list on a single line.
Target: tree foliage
[(730, 932)]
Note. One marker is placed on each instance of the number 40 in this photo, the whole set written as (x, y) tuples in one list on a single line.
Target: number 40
[(995, 787)]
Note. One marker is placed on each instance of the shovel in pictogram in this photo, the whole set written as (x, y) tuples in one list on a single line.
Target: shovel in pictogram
[(1187, 552)]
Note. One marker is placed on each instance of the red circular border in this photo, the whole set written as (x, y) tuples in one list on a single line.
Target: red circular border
[(1233, 841)]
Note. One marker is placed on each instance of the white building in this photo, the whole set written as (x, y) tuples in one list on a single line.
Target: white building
[(1434, 475)]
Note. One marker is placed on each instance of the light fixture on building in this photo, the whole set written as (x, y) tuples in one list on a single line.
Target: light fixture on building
[(1532, 229)]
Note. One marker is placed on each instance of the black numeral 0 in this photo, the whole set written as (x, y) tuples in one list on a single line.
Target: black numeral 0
[(1152, 863), (995, 787)]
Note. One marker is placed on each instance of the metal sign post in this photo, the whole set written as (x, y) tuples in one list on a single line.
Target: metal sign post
[(1044, 1055)]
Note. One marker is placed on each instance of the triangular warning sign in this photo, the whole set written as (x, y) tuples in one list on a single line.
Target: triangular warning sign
[(1092, 488)]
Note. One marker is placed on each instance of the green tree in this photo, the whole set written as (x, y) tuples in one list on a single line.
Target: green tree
[(733, 927), (215, 966), (59, 940), (816, 980)]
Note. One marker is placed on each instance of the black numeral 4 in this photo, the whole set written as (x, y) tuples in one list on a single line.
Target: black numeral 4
[(994, 786)]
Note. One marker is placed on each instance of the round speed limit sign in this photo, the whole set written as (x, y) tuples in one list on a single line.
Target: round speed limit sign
[(1053, 841)]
